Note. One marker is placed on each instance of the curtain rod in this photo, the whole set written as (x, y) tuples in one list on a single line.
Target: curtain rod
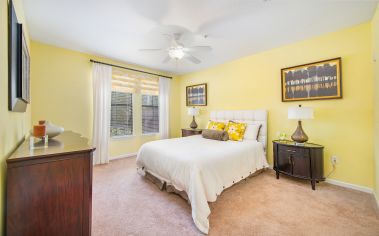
[(122, 67)]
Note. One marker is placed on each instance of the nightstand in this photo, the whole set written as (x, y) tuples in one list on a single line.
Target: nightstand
[(189, 132), (305, 161)]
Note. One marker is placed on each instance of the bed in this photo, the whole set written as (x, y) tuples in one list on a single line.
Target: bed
[(203, 168)]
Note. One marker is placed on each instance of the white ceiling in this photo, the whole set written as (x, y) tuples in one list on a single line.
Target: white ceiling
[(118, 28)]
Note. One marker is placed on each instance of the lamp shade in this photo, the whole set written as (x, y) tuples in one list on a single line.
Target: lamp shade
[(193, 111), (300, 113)]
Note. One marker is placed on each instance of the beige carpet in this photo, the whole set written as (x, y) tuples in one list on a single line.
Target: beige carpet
[(124, 203)]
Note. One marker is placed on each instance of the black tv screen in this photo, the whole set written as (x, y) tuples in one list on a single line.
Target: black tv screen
[(15, 89)]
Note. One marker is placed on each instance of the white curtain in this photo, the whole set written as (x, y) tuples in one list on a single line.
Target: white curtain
[(102, 83), (164, 103)]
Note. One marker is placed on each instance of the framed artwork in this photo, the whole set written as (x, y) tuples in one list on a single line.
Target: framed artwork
[(196, 95), (313, 81), (19, 65)]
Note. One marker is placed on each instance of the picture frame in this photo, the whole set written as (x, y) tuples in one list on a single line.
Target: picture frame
[(18, 64), (313, 81), (196, 95)]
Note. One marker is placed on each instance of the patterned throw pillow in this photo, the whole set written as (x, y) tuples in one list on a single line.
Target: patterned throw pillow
[(214, 125), (236, 130)]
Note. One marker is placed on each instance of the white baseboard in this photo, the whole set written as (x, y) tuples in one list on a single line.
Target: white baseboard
[(123, 156), (351, 186), (376, 199)]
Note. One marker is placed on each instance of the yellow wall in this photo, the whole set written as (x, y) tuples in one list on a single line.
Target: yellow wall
[(344, 126), (61, 91), (62, 94), (375, 46), (14, 126)]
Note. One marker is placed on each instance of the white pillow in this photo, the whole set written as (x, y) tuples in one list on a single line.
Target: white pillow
[(252, 131)]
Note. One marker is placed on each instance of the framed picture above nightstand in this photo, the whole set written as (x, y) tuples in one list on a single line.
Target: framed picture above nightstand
[(313, 81), (196, 95)]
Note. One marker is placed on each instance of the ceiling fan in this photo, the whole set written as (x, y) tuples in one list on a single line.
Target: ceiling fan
[(177, 50)]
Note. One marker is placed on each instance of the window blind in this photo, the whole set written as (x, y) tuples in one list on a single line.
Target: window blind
[(121, 114), (150, 114), (124, 85), (125, 81)]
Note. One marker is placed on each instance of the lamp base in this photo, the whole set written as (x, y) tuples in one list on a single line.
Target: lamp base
[(193, 124), (299, 136)]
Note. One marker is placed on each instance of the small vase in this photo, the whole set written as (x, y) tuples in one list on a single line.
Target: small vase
[(51, 129)]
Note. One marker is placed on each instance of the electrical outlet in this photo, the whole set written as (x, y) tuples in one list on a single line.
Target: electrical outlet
[(334, 160)]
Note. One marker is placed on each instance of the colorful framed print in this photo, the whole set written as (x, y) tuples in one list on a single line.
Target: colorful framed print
[(313, 81), (196, 95)]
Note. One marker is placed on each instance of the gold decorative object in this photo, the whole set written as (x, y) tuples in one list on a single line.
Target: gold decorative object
[(299, 136), (193, 111), (300, 113)]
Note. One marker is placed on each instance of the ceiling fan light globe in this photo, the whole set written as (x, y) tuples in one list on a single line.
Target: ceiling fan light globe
[(176, 53)]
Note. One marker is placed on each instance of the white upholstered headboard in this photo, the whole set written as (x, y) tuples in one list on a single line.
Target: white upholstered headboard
[(253, 116)]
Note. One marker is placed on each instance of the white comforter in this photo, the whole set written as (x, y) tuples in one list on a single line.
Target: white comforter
[(201, 167)]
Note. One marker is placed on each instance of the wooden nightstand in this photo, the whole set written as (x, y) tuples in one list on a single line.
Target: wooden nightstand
[(189, 132), (304, 161)]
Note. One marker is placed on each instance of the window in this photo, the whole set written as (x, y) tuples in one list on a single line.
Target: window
[(150, 114), (121, 114), (144, 90)]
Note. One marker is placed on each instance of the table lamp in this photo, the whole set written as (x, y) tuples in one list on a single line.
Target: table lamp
[(193, 111), (300, 113)]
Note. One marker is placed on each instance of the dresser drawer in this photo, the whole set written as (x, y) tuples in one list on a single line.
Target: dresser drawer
[(295, 151)]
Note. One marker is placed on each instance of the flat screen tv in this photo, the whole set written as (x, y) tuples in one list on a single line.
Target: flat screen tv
[(18, 62)]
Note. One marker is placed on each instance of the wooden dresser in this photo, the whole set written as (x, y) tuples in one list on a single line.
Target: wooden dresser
[(49, 190), (189, 132), (304, 161)]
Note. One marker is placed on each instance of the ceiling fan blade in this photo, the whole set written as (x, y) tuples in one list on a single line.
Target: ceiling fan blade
[(192, 58), (150, 49), (167, 59), (199, 48)]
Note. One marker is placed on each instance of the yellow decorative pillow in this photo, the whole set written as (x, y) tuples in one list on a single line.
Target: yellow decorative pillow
[(236, 130), (214, 125)]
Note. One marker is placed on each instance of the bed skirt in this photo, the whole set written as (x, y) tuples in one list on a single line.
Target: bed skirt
[(163, 186)]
